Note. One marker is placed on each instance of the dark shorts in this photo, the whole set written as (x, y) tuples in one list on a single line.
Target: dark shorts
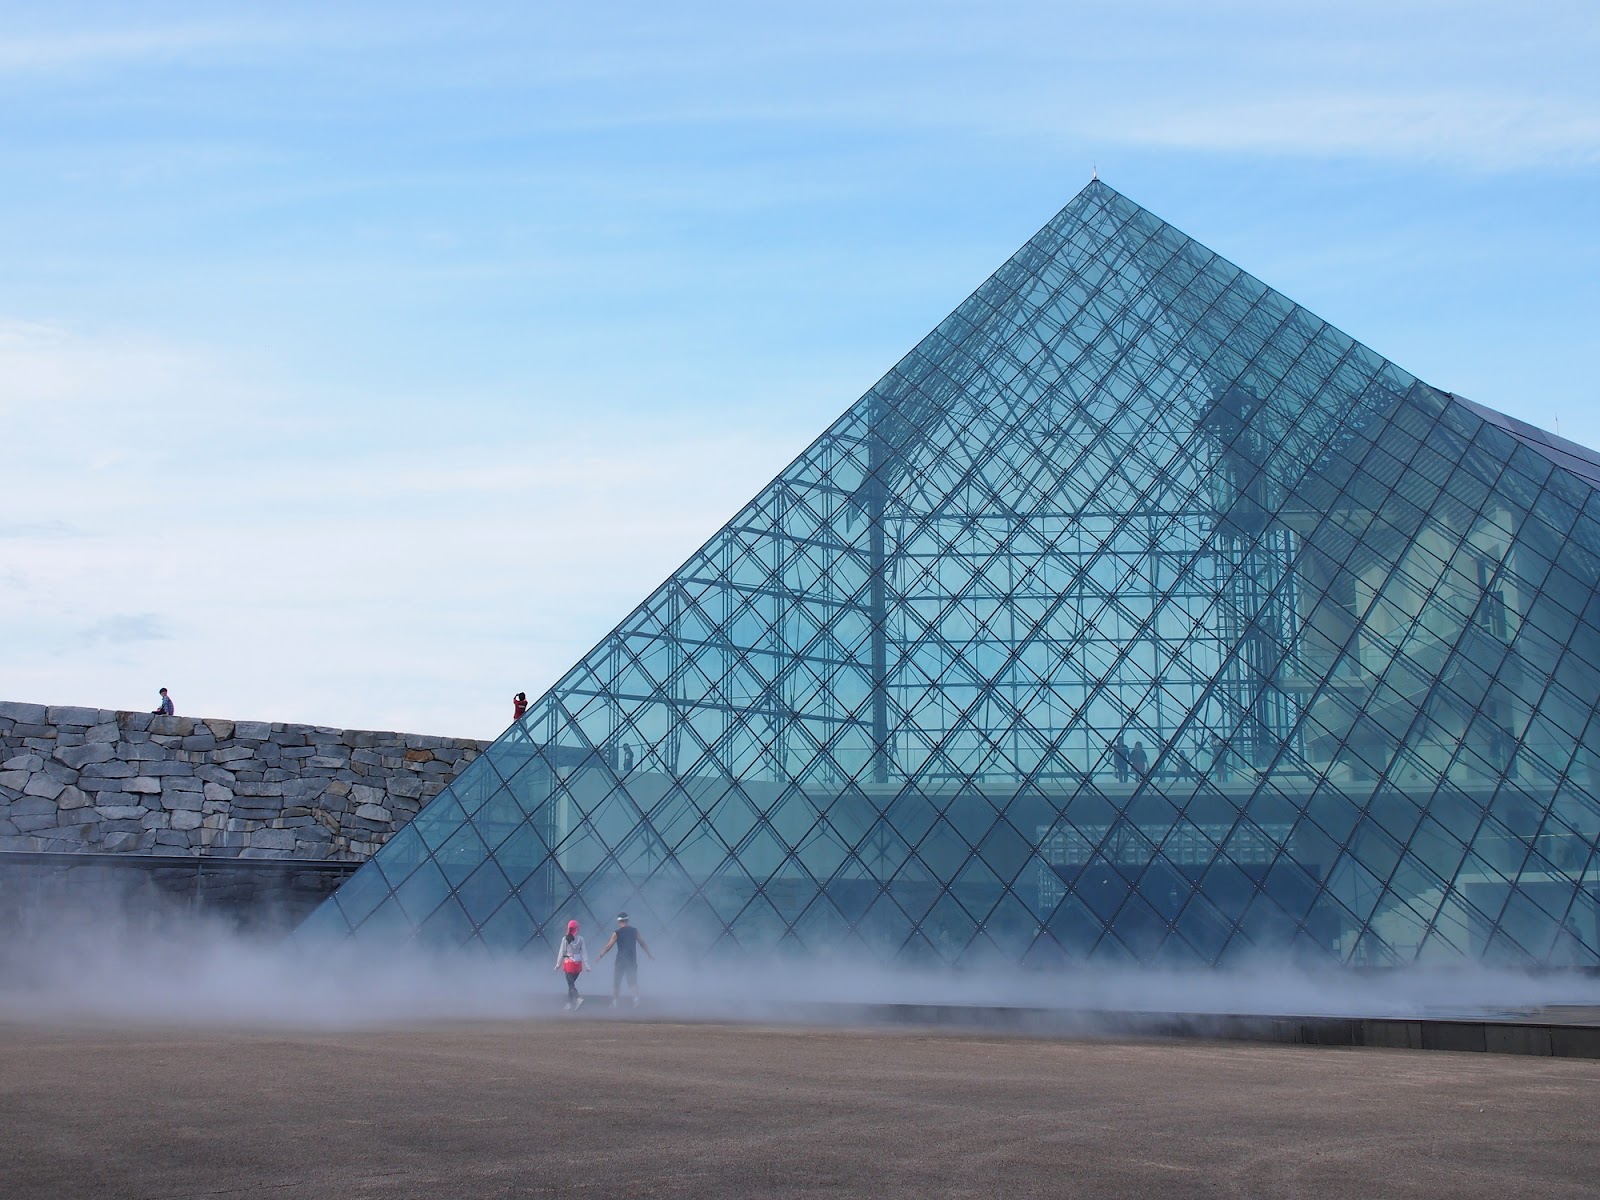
[(626, 971)]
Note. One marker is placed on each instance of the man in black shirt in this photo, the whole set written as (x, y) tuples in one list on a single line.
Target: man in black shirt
[(626, 941)]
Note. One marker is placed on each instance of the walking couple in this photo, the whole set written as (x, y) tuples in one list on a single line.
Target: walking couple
[(572, 959)]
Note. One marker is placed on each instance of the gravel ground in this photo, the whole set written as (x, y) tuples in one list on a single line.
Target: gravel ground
[(629, 1108)]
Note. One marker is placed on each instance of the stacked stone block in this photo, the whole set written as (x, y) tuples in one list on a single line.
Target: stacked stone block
[(89, 779)]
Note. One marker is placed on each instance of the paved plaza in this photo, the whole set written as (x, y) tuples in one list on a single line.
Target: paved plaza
[(596, 1107)]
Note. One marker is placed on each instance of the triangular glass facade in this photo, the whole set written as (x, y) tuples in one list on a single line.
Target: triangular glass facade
[(1137, 614)]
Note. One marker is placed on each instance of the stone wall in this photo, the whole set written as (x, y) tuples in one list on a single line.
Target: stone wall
[(89, 779)]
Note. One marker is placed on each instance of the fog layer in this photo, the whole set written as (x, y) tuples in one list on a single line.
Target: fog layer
[(186, 970)]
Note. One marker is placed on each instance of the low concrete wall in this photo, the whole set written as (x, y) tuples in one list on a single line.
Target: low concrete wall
[(101, 781)]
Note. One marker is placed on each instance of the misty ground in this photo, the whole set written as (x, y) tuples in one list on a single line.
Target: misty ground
[(101, 962), (172, 1057), (557, 1106)]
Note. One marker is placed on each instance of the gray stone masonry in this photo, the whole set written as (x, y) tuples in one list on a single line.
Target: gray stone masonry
[(88, 779)]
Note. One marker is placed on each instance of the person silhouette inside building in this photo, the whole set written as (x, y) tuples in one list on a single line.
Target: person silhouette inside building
[(1138, 761)]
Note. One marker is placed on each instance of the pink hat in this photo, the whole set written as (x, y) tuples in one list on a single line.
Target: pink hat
[(572, 927)]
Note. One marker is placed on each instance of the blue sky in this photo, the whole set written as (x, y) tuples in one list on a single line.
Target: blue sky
[(363, 364)]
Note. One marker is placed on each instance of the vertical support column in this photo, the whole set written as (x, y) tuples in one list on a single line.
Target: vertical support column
[(876, 497), (675, 675), (1256, 562)]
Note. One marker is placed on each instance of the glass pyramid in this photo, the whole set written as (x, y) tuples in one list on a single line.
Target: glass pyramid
[(1137, 614)]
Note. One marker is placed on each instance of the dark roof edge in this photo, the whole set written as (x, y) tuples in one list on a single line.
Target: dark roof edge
[(1569, 455)]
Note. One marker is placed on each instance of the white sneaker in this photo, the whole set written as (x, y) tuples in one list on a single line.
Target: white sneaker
[(567, 1006), (613, 1002), (578, 1003), (636, 1002)]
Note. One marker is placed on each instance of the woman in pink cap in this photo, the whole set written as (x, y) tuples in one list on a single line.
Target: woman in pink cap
[(572, 961)]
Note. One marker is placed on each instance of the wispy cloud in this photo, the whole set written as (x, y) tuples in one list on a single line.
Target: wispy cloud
[(48, 368), (41, 531), (121, 628), (1489, 132), (51, 52), (330, 539)]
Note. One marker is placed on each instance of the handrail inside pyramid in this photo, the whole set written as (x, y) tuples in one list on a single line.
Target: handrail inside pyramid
[(1137, 613)]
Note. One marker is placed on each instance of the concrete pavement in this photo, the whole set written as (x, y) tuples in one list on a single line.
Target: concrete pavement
[(639, 1108)]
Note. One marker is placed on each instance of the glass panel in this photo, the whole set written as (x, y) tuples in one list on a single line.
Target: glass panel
[(360, 894), (420, 894), (484, 892)]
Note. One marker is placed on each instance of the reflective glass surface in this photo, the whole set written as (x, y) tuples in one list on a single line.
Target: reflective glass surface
[(1136, 614)]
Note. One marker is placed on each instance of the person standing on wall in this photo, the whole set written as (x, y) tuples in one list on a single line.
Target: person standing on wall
[(519, 706), (572, 961), (164, 709), (626, 941)]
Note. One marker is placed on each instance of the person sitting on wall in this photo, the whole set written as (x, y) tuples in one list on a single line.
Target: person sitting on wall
[(164, 709)]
